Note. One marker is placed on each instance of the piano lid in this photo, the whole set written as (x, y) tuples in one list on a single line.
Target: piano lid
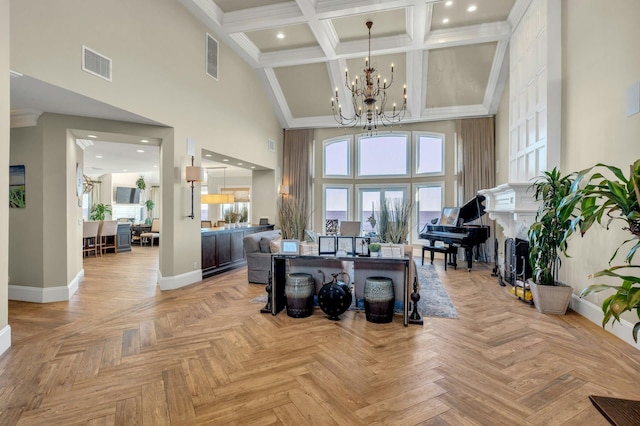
[(472, 210)]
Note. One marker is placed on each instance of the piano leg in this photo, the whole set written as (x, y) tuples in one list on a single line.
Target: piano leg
[(468, 252)]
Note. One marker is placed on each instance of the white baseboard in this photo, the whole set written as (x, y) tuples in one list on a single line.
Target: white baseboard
[(623, 330), (5, 339), (25, 293), (178, 281)]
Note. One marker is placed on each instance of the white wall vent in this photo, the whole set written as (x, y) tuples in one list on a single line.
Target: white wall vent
[(271, 145), (212, 57), (95, 63)]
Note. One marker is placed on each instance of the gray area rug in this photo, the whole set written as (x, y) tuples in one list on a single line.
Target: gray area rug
[(434, 299)]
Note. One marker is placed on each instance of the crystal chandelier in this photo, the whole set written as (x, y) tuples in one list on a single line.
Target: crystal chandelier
[(369, 98)]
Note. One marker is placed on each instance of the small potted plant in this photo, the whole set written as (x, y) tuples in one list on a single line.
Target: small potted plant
[(99, 211), (547, 239), (374, 249)]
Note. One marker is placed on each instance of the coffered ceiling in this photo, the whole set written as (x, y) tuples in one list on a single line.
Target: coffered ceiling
[(450, 54)]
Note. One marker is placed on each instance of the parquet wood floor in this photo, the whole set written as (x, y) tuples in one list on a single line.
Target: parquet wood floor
[(123, 352)]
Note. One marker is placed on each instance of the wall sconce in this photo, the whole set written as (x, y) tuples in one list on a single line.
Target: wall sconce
[(193, 174), (218, 198), (283, 190)]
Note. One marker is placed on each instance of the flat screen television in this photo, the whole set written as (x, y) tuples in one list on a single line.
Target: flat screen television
[(126, 195)]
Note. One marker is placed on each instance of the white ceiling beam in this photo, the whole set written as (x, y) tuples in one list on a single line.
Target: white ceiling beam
[(260, 18), (300, 56), (494, 77), (500, 84), (472, 34), (281, 107), (323, 30), (415, 82), (330, 9)]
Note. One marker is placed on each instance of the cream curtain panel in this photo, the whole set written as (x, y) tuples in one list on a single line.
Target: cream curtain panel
[(298, 148), (476, 156)]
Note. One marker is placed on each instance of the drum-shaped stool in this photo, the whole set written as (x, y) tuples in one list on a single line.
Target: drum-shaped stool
[(379, 299), (299, 290)]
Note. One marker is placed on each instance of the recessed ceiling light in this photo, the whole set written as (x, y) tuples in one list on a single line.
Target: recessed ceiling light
[(280, 36), (448, 3), (139, 150), (207, 155), (98, 156), (239, 164), (445, 21), (144, 140), (92, 136), (225, 160), (253, 167), (155, 166), (472, 8)]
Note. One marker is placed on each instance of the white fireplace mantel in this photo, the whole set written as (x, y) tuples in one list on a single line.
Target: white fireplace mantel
[(513, 206)]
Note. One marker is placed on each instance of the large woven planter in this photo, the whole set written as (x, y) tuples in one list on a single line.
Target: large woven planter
[(551, 299)]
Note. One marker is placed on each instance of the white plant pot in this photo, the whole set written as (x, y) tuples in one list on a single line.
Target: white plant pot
[(551, 299)]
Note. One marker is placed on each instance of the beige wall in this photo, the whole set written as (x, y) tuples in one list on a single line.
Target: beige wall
[(5, 333), (600, 61), (158, 54)]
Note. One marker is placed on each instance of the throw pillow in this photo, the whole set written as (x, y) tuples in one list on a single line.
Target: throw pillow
[(310, 236), (275, 245), (265, 245)]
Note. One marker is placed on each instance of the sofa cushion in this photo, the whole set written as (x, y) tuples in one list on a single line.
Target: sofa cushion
[(264, 245), (275, 245), (251, 245)]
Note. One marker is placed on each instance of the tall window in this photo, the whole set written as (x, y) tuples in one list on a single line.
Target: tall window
[(428, 203), (370, 198), (337, 157), (336, 202), (383, 155), (429, 153)]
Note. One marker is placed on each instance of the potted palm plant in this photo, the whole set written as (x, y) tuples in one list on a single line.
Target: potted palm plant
[(547, 239), (616, 199)]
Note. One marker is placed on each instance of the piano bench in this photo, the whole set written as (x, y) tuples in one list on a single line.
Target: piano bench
[(450, 254)]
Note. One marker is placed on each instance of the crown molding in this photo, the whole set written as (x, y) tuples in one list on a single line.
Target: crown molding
[(24, 117)]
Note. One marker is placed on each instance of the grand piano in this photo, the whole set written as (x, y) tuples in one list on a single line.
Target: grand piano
[(453, 228)]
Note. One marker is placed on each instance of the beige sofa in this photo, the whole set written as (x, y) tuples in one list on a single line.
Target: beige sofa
[(258, 253)]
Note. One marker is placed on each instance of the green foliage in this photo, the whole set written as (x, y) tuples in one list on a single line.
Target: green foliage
[(16, 197), (231, 215), (599, 199), (99, 211), (626, 296), (374, 247), (141, 184), (292, 218), (149, 204), (547, 235), (244, 214), (607, 199), (394, 221)]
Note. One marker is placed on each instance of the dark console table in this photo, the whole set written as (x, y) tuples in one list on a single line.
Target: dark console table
[(280, 263), (222, 248)]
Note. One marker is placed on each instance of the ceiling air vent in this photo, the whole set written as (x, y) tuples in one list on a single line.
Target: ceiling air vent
[(212, 57), (96, 64)]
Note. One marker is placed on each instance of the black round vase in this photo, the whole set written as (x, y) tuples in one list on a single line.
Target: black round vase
[(334, 299)]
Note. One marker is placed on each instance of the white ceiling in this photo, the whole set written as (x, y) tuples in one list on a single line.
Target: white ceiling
[(451, 59), (452, 70)]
